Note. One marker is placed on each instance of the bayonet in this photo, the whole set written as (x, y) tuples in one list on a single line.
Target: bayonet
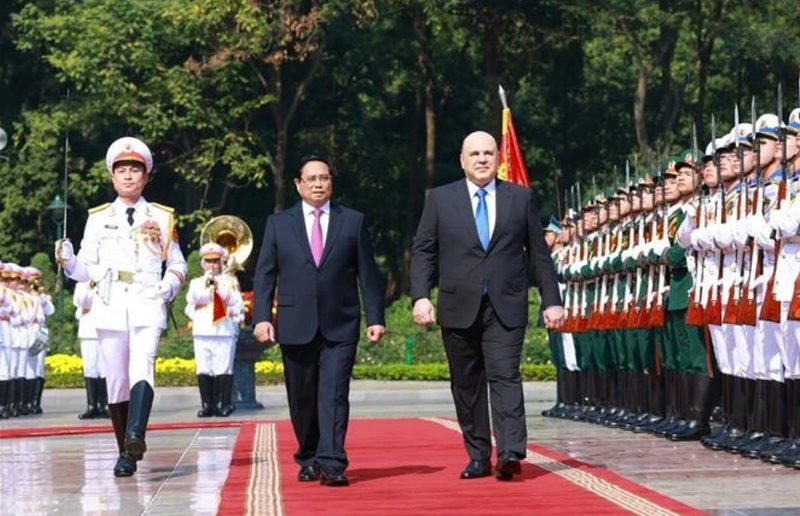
[(558, 199), (695, 167), (784, 159)]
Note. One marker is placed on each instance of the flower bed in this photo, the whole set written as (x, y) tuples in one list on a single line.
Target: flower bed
[(66, 371)]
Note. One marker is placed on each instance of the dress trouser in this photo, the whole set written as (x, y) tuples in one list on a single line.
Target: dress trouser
[(317, 378), (487, 353), (129, 357)]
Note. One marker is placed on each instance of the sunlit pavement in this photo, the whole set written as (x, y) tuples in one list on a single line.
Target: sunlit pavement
[(185, 469)]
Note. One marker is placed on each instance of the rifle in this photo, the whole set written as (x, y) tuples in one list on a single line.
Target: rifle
[(771, 307), (592, 323), (734, 294), (713, 311), (625, 243), (613, 317), (794, 305), (656, 318), (695, 313), (747, 308), (572, 253), (649, 237)]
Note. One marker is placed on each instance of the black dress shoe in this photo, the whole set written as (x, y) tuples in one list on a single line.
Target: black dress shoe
[(477, 469), (308, 474), (333, 478), (125, 466), (508, 465)]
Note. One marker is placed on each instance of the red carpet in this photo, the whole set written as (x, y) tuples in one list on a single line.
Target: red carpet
[(411, 466), (405, 467)]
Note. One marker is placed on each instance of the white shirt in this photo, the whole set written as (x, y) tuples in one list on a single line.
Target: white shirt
[(491, 201), (324, 219)]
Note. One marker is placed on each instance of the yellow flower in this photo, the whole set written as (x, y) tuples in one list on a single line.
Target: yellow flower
[(67, 364)]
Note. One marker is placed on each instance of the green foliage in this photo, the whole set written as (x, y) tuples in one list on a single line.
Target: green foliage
[(406, 340), (230, 94)]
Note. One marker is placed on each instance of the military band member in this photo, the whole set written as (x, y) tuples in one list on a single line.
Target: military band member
[(40, 306), (94, 369), (126, 245), (214, 304)]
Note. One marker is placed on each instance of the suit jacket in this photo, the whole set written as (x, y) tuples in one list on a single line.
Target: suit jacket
[(447, 238), (312, 298)]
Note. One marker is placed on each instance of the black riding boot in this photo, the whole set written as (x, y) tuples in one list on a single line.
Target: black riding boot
[(126, 465), (138, 416), (91, 399)]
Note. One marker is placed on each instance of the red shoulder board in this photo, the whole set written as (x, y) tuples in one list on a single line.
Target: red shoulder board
[(174, 234)]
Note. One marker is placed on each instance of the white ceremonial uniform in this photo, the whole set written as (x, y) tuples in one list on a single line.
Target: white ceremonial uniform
[(125, 262), (214, 343), (786, 221), (5, 333), (42, 309), (92, 358), (768, 341), (560, 259)]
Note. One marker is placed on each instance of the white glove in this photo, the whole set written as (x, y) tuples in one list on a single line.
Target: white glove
[(700, 240), (65, 254), (165, 291), (764, 238)]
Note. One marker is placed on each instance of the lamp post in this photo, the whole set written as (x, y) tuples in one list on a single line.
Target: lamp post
[(3, 142), (56, 211)]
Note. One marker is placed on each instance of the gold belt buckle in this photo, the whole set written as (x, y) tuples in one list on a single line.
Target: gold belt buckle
[(125, 276)]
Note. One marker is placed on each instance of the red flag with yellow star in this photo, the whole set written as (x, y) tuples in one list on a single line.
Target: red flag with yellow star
[(511, 167)]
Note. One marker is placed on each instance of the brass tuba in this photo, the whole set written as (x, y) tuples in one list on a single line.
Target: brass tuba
[(234, 235)]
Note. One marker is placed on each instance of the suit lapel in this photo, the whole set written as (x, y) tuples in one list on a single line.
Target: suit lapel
[(502, 207), (299, 227), (463, 207), (334, 225)]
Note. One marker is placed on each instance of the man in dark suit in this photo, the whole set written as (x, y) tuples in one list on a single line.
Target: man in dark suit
[(313, 258), (482, 234)]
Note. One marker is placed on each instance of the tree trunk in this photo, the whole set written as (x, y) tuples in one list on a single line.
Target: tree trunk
[(279, 166), (639, 99)]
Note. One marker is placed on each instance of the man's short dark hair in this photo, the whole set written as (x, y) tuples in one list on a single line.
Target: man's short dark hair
[(309, 158)]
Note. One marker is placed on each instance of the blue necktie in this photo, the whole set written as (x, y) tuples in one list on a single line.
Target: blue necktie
[(482, 219)]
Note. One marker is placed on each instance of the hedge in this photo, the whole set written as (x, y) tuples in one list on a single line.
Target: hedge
[(64, 371)]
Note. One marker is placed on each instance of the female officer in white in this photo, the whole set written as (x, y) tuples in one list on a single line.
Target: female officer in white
[(124, 246)]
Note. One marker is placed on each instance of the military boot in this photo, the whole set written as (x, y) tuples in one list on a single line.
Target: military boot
[(138, 415), (91, 399)]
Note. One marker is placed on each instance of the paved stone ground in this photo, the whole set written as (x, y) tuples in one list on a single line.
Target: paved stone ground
[(184, 469)]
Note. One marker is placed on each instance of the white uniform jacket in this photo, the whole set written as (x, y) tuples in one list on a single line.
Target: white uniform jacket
[(124, 264)]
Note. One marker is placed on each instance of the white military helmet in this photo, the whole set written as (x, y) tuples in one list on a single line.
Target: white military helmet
[(128, 148)]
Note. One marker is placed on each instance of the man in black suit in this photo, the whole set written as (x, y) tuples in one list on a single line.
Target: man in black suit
[(313, 258), (482, 233)]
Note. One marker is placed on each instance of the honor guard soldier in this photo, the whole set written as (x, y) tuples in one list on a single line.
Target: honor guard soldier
[(784, 220), (214, 304), (131, 257), (552, 234), (40, 306), (94, 369), (6, 378), (694, 362)]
